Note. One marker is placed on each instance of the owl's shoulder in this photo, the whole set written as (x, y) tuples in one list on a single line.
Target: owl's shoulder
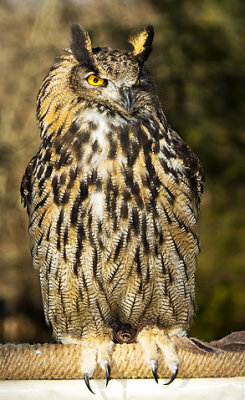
[(27, 182), (178, 162), (183, 162)]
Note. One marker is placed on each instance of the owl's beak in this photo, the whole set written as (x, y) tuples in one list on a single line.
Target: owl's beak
[(127, 97)]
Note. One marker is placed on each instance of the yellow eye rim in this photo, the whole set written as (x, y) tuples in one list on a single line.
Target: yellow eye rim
[(95, 80)]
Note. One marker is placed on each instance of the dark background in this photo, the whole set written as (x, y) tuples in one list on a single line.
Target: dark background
[(198, 65)]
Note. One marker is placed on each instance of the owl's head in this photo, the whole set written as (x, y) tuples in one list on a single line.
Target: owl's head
[(112, 76)]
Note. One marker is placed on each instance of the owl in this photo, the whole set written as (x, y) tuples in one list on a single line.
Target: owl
[(113, 197)]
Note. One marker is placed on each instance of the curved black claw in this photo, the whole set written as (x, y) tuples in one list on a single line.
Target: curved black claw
[(203, 346), (108, 370), (174, 374), (86, 379), (154, 370)]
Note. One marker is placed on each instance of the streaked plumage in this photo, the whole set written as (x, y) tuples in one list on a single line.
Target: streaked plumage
[(113, 196)]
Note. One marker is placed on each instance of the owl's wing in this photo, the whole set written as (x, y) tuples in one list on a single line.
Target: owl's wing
[(26, 184), (191, 166)]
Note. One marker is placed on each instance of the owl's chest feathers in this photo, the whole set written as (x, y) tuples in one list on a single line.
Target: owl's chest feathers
[(109, 167), (99, 142), (125, 161), (99, 156)]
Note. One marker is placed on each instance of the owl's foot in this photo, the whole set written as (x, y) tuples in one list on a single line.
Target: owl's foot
[(151, 339), (96, 349)]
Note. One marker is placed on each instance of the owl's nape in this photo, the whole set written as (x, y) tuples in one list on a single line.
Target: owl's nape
[(113, 198)]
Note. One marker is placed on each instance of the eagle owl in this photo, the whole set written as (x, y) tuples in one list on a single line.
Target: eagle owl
[(113, 197)]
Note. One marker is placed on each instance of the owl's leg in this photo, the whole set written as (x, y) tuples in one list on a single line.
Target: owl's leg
[(94, 349), (153, 338)]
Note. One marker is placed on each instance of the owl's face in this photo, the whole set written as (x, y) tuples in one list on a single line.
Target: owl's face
[(111, 76)]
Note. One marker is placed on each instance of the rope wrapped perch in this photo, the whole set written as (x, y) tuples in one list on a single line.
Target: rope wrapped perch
[(57, 361)]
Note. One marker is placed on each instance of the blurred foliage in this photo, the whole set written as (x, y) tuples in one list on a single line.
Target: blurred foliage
[(198, 65)]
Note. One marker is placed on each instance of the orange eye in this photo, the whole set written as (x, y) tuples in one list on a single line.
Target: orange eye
[(137, 82), (95, 80)]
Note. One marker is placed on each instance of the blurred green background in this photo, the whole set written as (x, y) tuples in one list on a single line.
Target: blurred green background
[(198, 65)]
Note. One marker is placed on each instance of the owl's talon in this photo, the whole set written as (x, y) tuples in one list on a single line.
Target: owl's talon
[(108, 370), (174, 374), (86, 379), (154, 370)]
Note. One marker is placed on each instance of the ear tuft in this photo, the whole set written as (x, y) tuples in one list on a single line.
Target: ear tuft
[(81, 47), (142, 43)]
